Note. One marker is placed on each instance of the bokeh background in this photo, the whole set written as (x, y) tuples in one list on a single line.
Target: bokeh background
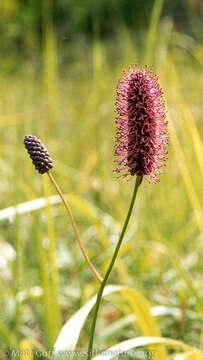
[(59, 66)]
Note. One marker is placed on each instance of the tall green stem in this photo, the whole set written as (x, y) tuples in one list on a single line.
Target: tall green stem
[(102, 286)]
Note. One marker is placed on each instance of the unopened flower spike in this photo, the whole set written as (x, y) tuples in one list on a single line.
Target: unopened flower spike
[(141, 137), (43, 163), (38, 153)]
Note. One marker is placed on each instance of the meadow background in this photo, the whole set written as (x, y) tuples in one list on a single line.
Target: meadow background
[(59, 66)]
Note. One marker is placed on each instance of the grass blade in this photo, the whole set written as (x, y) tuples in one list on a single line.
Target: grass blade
[(146, 322), (70, 332), (56, 321), (151, 37), (127, 345), (186, 176), (45, 282)]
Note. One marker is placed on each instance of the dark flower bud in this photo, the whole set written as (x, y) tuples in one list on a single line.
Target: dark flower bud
[(38, 153)]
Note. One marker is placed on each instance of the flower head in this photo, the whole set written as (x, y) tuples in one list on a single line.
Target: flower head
[(38, 153), (141, 136)]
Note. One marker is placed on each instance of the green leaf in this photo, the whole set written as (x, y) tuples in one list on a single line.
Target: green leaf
[(70, 332)]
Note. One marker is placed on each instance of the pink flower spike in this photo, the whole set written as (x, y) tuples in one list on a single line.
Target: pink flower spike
[(141, 134)]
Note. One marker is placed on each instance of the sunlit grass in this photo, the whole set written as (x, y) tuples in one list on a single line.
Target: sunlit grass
[(72, 110)]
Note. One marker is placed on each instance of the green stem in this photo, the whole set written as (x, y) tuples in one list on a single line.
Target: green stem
[(102, 286)]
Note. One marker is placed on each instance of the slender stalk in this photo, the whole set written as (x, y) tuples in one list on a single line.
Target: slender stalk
[(74, 227), (102, 286)]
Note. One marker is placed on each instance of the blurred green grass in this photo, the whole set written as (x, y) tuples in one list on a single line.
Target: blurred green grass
[(72, 111)]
